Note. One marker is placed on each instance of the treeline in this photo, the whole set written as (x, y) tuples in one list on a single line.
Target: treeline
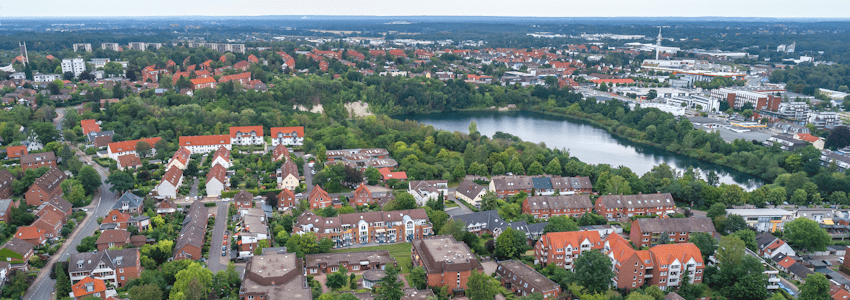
[(807, 78)]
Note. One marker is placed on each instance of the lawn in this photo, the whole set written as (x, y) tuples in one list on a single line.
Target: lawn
[(399, 251)]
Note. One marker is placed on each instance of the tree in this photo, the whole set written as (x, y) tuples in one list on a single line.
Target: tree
[(481, 287), (498, 169), (271, 199), (489, 201), (194, 280), (618, 185), (716, 209), (337, 279), (748, 237), (373, 176), (560, 224), (418, 278), (403, 200), (161, 147), (90, 179), (735, 223), (390, 288), (705, 242), (516, 167), (733, 194), (554, 167), (730, 251), (839, 137), (143, 149), (46, 132), (145, 292), (455, 228), (120, 181), (639, 296), (595, 271), (63, 283), (816, 287), (535, 168), (506, 244), (806, 234)]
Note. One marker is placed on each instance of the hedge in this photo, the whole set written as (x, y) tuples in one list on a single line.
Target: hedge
[(230, 194)]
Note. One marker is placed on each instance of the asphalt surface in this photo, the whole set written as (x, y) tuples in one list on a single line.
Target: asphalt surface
[(215, 261)]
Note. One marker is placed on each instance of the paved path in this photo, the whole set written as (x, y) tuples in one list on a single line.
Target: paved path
[(462, 209), (216, 262)]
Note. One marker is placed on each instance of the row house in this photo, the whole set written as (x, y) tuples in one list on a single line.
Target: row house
[(114, 150), (544, 207), (50, 224), (246, 135), (204, 143), (255, 229), (367, 227), (45, 187), (490, 222), (38, 160), (287, 176), (222, 157), (114, 266), (647, 232), (286, 200), (470, 192), (241, 78), (318, 198), (201, 83), (447, 262), (280, 152), (424, 190), (112, 238), (57, 205), (506, 186), (31, 234), (293, 136), (618, 206), (216, 180), (274, 276), (180, 159), (351, 261), (171, 181), (190, 242), (362, 196), (561, 248), (523, 280)]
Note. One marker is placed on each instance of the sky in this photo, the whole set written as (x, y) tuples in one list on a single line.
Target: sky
[(519, 8)]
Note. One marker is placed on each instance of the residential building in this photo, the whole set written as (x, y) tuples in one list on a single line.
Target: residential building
[(363, 196), (387, 174), (50, 223), (73, 65), (180, 159), (561, 248), (617, 206), (121, 220), (243, 199), (523, 280), (633, 268), (216, 180), (129, 161), (110, 46), (825, 119), (673, 262), (165, 207), (648, 232), (818, 142), (293, 136), (31, 234), (114, 266), (447, 262), (798, 111), (763, 219), (275, 276), (222, 157), (171, 181), (6, 180), (361, 159), (506, 186), (38, 160), (112, 238), (367, 227), (137, 46), (142, 222), (489, 222), (246, 135), (318, 198), (100, 139), (82, 47), (786, 142), (204, 143), (256, 229), (287, 177), (16, 151), (129, 203), (286, 200), (190, 242), (57, 205), (17, 252), (544, 207), (38, 77), (280, 152), (45, 187), (424, 190), (114, 150), (89, 288), (842, 162), (351, 261), (6, 210), (770, 246), (737, 99), (470, 192)]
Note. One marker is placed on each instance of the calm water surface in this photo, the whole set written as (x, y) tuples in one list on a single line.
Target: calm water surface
[(585, 142)]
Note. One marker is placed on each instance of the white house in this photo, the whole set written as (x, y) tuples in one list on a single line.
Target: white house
[(424, 190), (204, 143), (222, 157), (246, 135), (470, 192), (287, 135), (216, 180), (180, 159), (114, 150), (172, 180), (288, 177)]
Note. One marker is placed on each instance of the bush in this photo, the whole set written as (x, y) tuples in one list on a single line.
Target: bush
[(91, 151), (211, 204)]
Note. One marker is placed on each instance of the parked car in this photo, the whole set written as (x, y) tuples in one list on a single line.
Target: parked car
[(841, 260), (827, 262)]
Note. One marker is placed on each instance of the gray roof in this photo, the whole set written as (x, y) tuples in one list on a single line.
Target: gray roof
[(114, 259), (673, 296), (6, 179), (800, 270), (559, 202), (352, 258), (567, 183), (523, 274), (374, 275), (676, 225), (637, 201), (469, 189), (512, 183), (139, 218), (541, 183), (490, 220), (130, 199), (763, 239), (19, 246), (4, 205), (193, 235)]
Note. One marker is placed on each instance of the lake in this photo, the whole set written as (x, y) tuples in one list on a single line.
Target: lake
[(587, 143)]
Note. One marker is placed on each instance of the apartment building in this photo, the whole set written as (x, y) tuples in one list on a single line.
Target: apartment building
[(38, 160), (287, 176), (367, 227), (246, 135), (45, 187), (114, 150), (114, 266), (424, 190), (110, 46), (763, 219), (737, 98), (523, 280), (561, 248), (351, 261), (274, 276), (204, 143), (447, 262), (82, 47), (293, 136), (506, 186), (544, 207), (73, 65), (618, 206), (663, 265), (649, 232)]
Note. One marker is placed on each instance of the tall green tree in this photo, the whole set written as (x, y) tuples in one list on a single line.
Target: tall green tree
[(806, 234), (90, 179), (390, 288), (481, 287), (554, 167), (145, 292), (595, 271), (194, 280), (120, 181), (418, 278), (816, 287)]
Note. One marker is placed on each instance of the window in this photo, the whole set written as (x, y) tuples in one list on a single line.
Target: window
[(121, 270)]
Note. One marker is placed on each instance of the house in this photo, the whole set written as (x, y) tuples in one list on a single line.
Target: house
[(387, 174), (172, 180), (190, 242), (646, 232), (447, 262), (275, 276), (17, 252), (6, 180), (129, 161), (506, 186), (373, 278), (50, 223), (470, 192), (363, 196), (769, 246), (286, 200), (618, 206), (351, 261), (489, 222), (318, 198), (89, 126), (45, 187), (112, 238), (114, 266), (287, 177), (114, 150), (784, 262), (544, 207), (293, 136), (424, 190), (280, 152), (673, 262), (200, 83), (100, 139), (58, 205), (818, 142), (89, 288), (255, 229), (367, 227), (204, 143), (118, 218), (6, 210), (32, 234), (37, 160), (216, 180), (243, 199), (628, 261), (129, 203), (16, 151), (246, 135), (799, 272), (180, 159), (523, 280), (786, 142), (561, 248), (165, 207), (141, 222)]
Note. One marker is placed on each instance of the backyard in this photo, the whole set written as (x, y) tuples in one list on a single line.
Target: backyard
[(399, 251)]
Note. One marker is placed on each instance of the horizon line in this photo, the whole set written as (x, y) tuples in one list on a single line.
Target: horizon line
[(438, 16)]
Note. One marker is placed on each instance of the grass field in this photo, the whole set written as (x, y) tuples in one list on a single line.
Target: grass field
[(399, 251)]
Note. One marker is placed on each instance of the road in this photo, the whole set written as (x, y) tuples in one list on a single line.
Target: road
[(104, 199), (308, 173), (214, 263)]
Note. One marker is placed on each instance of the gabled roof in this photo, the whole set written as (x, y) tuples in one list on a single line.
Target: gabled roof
[(204, 140), (129, 160), (191, 236), (290, 168), (113, 236), (128, 146), (18, 246), (280, 152), (800, 270), (113, 259), (559, 202), (257, 130), (317, 192), (526, 274), (571, 238), (222, 152), (89, 125), (295, 131), (37, 157), (88, 286), (240, 76), (676, 225), (204, 80), (763, 239), (119, 217), (541, 183), (130, 199), (182, 155), (50, 181), (469, 189), (668, 253), (6, 179), (217, 172), (243, 196), (49, 220), (786, 262), (636, 201), (173, 176)]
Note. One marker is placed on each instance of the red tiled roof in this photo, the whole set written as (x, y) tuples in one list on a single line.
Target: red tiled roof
[(198, 81), (131, 145), (119, 216), (573, 238), (807, 137), (16, 151), (387, 174), (787, 262), (173, 175), (666, 254), (89, 125), (280, 152), (29, 233), (204, 140), (245, 129), (222, 152), (617, 81), (79, 288), (218, 172), (182, 155), (841, 295), (287, 131), (240, 76), (129, 160)]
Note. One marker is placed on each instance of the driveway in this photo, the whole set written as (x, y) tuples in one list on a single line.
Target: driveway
[(216, 262), (462, 209), (194, 190)]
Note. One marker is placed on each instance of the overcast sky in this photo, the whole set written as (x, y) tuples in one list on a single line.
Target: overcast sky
[(527, 8)]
